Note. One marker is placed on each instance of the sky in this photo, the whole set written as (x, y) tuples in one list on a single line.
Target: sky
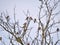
[(20, 6)]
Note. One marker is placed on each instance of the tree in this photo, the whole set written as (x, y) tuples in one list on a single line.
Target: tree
[(47, 26)]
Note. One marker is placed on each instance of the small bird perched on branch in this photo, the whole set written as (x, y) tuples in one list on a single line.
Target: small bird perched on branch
[(57, 29), (34, 20), (7, 18), (27, 18), (0, 38), (24, 25), (39, 28)]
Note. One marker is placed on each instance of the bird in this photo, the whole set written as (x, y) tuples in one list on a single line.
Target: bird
[(34, 20), (7, 18), (24, 25), (57, 29), (39, 28), (27, 18), (0, 38), (31, 18)]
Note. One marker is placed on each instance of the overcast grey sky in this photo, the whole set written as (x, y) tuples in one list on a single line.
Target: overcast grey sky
[(21, 5)]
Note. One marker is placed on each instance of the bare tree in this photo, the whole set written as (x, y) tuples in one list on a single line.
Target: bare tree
[(47, 26)]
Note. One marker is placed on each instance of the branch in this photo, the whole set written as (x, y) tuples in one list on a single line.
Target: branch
[(17, 39), (56, 42)]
